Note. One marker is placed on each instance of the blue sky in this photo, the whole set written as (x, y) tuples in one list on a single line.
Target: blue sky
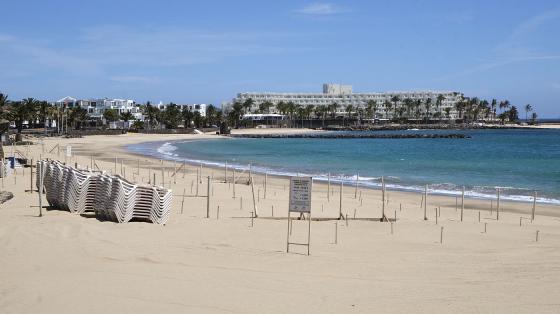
[(207, 51)]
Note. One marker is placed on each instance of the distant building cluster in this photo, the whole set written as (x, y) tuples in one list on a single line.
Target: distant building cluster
[(343, 96), (96, 107)]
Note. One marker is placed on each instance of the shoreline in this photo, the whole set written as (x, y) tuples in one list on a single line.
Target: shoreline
[(348, 180)]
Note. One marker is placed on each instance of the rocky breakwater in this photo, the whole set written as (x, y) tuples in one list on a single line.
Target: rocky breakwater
[(336, 135)]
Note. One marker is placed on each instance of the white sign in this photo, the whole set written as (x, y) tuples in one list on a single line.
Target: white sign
[(300, 194), (68, 151)]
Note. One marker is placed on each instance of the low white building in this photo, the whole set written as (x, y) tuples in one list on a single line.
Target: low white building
[(200, 108), (96, 107)]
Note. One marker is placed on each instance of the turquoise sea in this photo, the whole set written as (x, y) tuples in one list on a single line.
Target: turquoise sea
[(517, 161)]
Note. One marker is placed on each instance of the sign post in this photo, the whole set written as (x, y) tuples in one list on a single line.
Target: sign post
[(300, 202)]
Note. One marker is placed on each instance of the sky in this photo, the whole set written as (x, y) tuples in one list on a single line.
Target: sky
[(208, 51)]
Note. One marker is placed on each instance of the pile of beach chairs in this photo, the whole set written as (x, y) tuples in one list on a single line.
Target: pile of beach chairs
[(110, 197)]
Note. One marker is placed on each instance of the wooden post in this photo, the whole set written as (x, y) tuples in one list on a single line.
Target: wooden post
[(114, 173), (498, 206), (31, 177), (254, 201), (208, 199), (441, 236), (154, 175), (425, 201), (537, 236), (250, 172), (41, 190), (288, 234), (479, 216), (520, 221), (241, 203), (272, 210), (436, 215), (218, 213), (346, 220), (183, 201), (197, 182), (534, 205), (265, 183), (340, 203), (252, 216), (233, 182), (382, 198), (329, 187), (462, 202), (485, 227)]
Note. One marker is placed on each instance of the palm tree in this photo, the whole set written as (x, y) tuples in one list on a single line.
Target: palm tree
[(371, 108), (387, 106), (77, 116), (427, 106), (504, 105), (247, 105), (493, 105), (349, 110), (187, 115), (4, 123), (264, 107), (409, 104), (534, 117), (439, 102), (395, 99), (528, 108), (447, 111), (333, 108)]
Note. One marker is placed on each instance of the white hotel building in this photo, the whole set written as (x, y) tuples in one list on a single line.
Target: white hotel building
[(96, 107), (343, 96)]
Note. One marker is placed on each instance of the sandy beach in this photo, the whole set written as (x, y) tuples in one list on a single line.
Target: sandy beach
[(68, 263)]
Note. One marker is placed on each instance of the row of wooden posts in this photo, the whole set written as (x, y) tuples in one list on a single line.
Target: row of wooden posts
[(254, 213)]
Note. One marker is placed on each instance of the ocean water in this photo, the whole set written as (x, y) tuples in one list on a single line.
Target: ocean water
[(517, 161)]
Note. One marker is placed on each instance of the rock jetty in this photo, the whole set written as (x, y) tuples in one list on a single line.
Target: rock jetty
[(337, 135)]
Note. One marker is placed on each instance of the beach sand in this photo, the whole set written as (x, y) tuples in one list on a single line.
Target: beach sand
[(66, 263)]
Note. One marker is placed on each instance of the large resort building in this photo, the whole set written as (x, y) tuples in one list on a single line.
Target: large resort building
[(343, 96)]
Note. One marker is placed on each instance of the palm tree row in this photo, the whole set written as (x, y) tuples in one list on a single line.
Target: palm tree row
[(467, 110)]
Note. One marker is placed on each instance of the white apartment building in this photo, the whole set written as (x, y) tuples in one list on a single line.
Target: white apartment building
[(344, 96), (96, 107), (200, 108)]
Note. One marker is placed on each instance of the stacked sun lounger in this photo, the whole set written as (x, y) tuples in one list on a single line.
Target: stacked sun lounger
[(109, 197)]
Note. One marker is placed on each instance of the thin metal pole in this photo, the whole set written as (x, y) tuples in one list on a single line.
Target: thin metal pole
[(265, 183), (534, 205), (498, 206), (340, 203), (329, 187), (425, 201), (41, 189), (382, 198), (356, 189), (462, 202), (208, 199), (233, 182)]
